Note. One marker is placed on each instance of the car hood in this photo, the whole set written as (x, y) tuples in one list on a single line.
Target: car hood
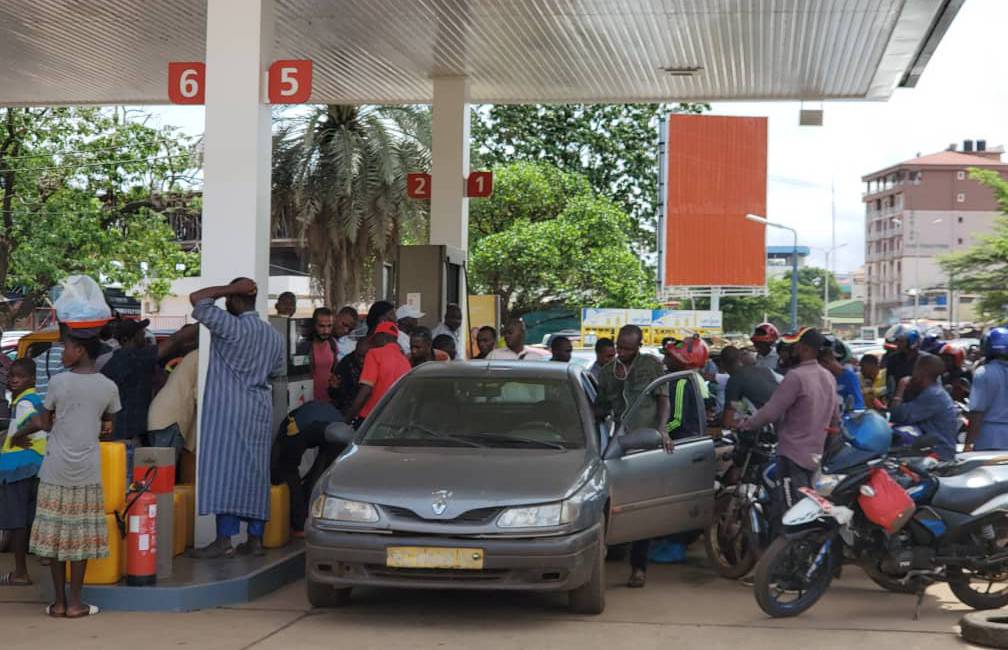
[(408, 477)]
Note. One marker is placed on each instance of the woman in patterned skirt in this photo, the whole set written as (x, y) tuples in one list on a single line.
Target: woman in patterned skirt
[(70, 514)]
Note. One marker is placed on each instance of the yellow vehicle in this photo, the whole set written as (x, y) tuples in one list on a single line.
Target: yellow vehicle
[(41, 340)]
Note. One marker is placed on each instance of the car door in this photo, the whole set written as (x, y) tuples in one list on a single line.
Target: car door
[(654, 493)]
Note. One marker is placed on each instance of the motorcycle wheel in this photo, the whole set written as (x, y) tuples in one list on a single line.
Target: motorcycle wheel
[(780, 586), (887, 582), (730, 543), (976, 589)]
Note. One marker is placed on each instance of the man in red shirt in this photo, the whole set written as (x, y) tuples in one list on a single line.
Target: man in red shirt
[(384, 365)]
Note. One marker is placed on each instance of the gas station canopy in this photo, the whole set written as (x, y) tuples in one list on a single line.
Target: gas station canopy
[(511, 51)]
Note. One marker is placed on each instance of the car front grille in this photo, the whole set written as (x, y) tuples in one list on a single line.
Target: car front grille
[(454, 575), (469, 518)]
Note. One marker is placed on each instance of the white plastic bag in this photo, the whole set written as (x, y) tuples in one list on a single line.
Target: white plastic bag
[(82, 303)]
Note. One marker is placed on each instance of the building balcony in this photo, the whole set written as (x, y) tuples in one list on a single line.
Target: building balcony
[(188, 230)]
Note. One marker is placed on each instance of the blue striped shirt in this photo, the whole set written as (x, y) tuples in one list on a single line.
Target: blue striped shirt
[(237, 419)]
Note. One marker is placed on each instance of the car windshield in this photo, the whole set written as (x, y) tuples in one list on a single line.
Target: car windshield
[(513, 413)]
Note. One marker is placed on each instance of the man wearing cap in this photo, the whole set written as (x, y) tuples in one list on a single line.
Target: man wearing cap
[(407, 318), (132, 367), (383, 366), (802, 408)]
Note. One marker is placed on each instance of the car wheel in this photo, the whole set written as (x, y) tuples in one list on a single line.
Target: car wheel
[(589, 598), (322, 595), (988, 628)]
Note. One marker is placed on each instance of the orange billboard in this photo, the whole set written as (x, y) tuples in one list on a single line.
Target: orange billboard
[(714, 173)]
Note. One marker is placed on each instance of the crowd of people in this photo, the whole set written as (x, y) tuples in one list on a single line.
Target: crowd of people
[(114, 383)]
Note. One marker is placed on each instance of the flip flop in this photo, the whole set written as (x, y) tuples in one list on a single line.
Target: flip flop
[(49, 611), (92, 610), (8, 580)]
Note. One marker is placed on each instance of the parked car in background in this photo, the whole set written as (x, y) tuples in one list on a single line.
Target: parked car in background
[(497, 475)]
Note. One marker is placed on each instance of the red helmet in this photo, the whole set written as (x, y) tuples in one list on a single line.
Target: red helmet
[(690, 353), (765, 333), (954, 351)]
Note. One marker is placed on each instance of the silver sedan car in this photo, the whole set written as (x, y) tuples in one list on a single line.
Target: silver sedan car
[(498, 475)]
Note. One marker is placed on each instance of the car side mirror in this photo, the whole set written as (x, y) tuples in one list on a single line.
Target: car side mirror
[(340, 432), (637, 440)]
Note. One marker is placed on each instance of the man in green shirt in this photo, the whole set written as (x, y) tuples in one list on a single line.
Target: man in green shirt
[(622, 381)]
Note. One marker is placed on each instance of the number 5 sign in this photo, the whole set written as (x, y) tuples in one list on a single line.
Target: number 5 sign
[(185, 82), (290, 81)]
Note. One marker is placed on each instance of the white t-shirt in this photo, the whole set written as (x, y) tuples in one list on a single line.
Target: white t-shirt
[(404, 343), (344, 346), (507, 354)]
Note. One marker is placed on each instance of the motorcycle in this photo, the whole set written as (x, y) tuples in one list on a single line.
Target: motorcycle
[(739, 530), (955, 530)]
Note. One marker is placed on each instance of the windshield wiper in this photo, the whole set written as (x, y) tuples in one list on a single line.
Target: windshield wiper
[(437, 434), (500, 437)]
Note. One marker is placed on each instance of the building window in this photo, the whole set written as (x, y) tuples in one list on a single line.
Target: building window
[(960, 240), (961, 175), (960, 219), (917, 176), (960, 198)]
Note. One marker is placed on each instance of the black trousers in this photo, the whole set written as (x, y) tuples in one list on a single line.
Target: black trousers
[(790, 478), (286, 459)]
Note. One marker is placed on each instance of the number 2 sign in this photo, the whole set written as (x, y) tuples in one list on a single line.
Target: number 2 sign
[(185, 82), (418, 185), (290, 81)]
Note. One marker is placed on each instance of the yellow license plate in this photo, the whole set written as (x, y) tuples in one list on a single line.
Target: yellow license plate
[(422, 557)]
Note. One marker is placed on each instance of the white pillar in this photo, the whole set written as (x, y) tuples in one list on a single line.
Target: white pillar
[(449, 220), (236, 165)]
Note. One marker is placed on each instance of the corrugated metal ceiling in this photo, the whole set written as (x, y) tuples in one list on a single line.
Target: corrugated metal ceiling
[(69, 51)]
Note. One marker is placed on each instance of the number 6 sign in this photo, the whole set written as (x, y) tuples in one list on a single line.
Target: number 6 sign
[(185, 82), (290, 81)]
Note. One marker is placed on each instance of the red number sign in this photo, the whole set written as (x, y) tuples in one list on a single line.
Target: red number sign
[(418, 185), (185, 82), (290, 81), (479, 184)]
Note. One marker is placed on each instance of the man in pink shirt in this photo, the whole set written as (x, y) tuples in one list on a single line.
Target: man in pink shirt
[(803, 408)]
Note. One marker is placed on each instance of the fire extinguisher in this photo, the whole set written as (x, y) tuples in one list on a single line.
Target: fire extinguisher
[(138, 525)]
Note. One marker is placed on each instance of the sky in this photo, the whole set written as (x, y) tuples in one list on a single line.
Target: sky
[(963, 94)]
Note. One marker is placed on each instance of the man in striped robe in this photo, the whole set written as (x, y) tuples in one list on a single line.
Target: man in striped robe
[(236, 427)]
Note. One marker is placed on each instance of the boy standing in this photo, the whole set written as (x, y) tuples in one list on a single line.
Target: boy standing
[(20, 459)]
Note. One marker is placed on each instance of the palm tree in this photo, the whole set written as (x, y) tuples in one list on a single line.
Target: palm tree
[(339, 182)]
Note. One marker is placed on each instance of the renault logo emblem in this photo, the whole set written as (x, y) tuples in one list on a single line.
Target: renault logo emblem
[(440, 503)]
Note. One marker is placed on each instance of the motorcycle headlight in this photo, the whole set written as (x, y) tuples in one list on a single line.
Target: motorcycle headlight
[(551, 514), (336, 509), (825, 483)]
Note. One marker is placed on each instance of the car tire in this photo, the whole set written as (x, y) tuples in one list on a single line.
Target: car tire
[(988, 628), (589, 598), (324, 596)]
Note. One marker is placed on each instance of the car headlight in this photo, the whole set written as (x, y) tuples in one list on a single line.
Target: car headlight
[(336, 509), (551, 514), (824, 484)]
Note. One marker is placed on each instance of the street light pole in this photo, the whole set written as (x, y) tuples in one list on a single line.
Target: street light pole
[(828, 273), (794, 264)]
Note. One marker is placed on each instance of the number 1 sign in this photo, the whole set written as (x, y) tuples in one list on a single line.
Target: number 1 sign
[(479, 184), (185, 82)]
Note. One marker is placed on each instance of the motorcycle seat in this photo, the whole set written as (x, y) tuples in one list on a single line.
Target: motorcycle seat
[(966, 492)]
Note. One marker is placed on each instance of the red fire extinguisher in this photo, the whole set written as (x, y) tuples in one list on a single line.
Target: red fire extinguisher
[(139, 524)]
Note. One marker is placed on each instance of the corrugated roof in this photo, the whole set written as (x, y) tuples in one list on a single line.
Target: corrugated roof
[(117, 51)]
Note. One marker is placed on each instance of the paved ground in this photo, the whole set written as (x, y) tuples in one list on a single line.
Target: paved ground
[(683, 606)]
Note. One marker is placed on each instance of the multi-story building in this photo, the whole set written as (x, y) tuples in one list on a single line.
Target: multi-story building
[(916, 211)]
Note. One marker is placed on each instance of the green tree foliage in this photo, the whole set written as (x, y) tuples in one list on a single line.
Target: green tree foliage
[(743, 314), (614, 146), (546, 239), (88, 190), (339, 182), (983, 269)]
